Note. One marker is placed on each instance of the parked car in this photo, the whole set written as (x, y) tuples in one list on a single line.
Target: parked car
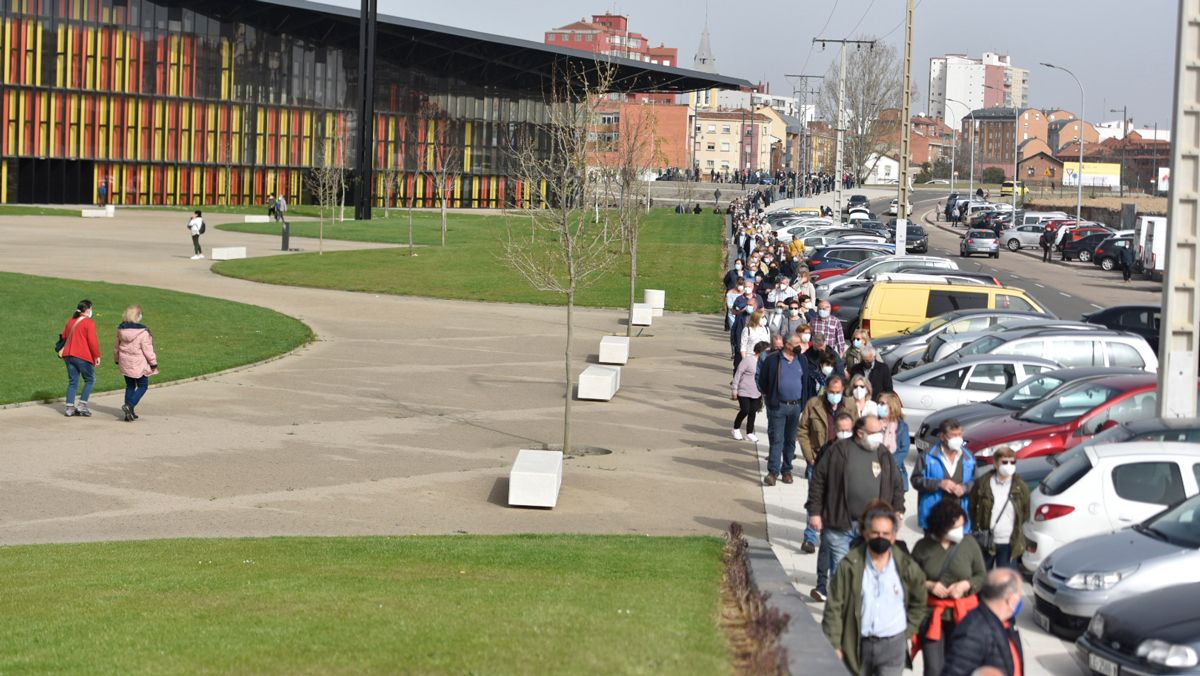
[(979, 242), (892, 349), (916, 239), (846, 304), (934, 387), (1105, 488), (855, 201), (943, 277), (893, 307), (806, 211), (1107, 253), (1019, 396), (868, 269), (1080, 578), (1151, 633), (846, 255), (1081, 249), (944, 346), (1069, 417), (1142, 319), (1073, 346), (1023, 237), (1006, 189), (959, 276), (894, 208), (1040, 217)]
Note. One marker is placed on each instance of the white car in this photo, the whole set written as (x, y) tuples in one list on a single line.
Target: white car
[(868, 269), (894, 208), (789, 233), (1102, 489), (955, 381)]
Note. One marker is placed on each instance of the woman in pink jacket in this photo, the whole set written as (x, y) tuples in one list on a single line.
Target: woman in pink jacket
[(135, 357), (744, 390)]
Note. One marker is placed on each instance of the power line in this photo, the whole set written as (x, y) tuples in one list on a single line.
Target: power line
[(813, 44), (897, 26), (860, 19)]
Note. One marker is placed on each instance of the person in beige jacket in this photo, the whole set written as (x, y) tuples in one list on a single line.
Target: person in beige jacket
[(134, 354)]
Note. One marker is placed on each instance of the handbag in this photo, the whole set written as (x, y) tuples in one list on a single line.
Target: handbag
[(61, 343), (987, 538)]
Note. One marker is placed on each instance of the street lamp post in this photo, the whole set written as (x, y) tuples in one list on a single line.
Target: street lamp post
[(1079, 173), (1124, 110), (971, 115), (954, 146)]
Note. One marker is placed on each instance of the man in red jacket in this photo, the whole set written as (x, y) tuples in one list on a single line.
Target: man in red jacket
[(81, 353)]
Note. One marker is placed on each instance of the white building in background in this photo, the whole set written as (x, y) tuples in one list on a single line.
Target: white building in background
[(990, 81), (1115, 129), (881, 170)]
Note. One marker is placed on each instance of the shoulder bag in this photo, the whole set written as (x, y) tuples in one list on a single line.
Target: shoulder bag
[(987, 537), (61, 343)]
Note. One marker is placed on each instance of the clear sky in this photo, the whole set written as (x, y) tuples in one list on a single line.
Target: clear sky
[(1122, 51)]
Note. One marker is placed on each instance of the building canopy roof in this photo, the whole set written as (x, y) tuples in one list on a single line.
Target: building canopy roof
[(475, 57)]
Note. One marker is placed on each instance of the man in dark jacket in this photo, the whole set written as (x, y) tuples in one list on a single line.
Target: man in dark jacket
[(851, 473), (876, 372), (1126, 255), (1044, 241), (988, 636), (781, 379)]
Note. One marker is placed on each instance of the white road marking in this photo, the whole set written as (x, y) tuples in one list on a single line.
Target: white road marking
[(1040, 286), (1097, 306), (1063, 293)]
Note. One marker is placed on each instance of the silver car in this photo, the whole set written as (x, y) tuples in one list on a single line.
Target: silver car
[(909, 346), (967, 380), (979, 242), (1080, 577), (1023, 237), (869, 269)]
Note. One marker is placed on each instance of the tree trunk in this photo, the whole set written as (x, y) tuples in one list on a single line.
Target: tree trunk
[(443, 196), (632, 283), (410, 230), (567, 365)]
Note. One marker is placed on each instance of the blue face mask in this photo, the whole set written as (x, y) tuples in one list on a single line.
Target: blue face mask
[(857, 342), (824, 314), (1017, 610), (881, 410), (834, 398)]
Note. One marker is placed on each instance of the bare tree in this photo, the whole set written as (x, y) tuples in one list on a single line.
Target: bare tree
[(874, 84), (446, 164), (325, 183), (565, 251)]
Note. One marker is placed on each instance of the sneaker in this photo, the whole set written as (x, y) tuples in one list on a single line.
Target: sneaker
[(752, 437), (195, 257), (817, 595), (737, 434), (769, 480), (70, 412), (83, 410), (128, 412), (200, 256), (808, 548)]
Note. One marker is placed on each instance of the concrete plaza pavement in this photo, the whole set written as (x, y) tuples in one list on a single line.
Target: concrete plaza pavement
[(402, 418)]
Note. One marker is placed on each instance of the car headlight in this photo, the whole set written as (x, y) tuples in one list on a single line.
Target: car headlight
[(1098, 581), (1015, 445), (886, 348), (1167, 654), (1096, 626)]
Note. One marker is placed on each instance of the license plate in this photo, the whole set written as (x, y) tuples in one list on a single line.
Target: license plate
[(1102, 666), (1041, 620)]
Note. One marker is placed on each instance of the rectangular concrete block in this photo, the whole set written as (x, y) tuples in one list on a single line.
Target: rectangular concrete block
[(656, 298), (614, 350), (535, 479), (643, 314), (226, 253), (599, 383), (257, 219), (111, 210), (95, 213)]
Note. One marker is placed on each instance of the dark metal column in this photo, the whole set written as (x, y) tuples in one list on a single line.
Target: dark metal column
[(363, 155)]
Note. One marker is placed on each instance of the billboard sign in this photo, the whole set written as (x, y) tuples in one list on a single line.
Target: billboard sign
[(1095, 174)]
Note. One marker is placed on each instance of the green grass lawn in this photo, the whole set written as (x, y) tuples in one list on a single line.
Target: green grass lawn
[(423, 605), (20, 210), (252, 209), (678, 253), (193, 335)]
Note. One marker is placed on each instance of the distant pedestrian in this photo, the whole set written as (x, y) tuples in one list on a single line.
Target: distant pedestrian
[(196, 227), (281, 208), (134, 354), (1045, 242), (744, 390), (103, 193), (1126, 255), (271, 206), (81, 354)]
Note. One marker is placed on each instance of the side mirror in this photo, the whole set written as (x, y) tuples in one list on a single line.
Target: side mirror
[(1108, 425)]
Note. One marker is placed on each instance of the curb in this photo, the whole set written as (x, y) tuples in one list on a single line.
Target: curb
[(808, 651)]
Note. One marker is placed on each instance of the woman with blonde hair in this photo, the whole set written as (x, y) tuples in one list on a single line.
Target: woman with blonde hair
[(756, 332), (134, 354), (895, 431), (860, 398), (858, 340)]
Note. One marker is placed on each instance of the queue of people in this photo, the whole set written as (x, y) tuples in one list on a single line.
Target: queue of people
[(834, 398), (133, 353)]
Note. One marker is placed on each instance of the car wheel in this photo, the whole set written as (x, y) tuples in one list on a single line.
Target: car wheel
[(1107, 264), (1084, 256), (1014, 245)]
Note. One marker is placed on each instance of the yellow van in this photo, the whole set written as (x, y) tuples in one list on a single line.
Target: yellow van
[(893, 307), (806, 211), (1006, 189)]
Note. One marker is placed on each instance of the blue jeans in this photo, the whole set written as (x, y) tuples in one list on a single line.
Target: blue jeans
[(900, 458), (810, 533), (1001, 559), (834, 546), (135, 389), (77, 368), (782, 422)]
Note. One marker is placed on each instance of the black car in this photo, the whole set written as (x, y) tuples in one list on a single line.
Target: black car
[(856, 201), (916, 239), (1108, 255), (1082, 248), (846, 304), (1157, 632), (1142, 319)]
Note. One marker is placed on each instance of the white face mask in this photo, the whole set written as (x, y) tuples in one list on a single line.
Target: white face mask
[(955, 535), (826, 370), (955, 443), (795, 313), (1007, 470), (805, 337), (873, 440), (844, 435), (860, 392)]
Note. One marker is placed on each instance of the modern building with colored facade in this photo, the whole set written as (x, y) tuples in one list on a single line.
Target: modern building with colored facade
[(227, 101)]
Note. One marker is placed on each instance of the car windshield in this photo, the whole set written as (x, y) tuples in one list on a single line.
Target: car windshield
[(915, 231), (982, 234), (983, 345), (924, 328), (1068, 404), (1178, 526), (859, 267), (924, 370), (1027, 391)]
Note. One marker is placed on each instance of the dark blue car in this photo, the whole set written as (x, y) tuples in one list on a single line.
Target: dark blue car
[(841, 256)]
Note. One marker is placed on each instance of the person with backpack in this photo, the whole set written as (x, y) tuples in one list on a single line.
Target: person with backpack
[(134, 354), (196, 226), (80, 351)]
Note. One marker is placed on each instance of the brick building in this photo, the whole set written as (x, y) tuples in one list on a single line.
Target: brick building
[(667, 124), (609, 34)]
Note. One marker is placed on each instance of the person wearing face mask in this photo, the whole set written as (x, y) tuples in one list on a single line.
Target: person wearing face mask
[(876, 372), (854, 353), (743, 307), (895, 431), (753, 333), (999, 505), (953, 566), (81, 353), (843, 426), (851, 473), (988, 636), (825, 371), (805, 287), (730, 297), (877, 599), (789, 321), (134, 354), (781, 377), (816, 432), (735, 275), (830, 327), (860, 397), (945, 470), (783, 293)]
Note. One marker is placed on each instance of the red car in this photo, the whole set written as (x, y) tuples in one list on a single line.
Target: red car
[(818, 275), (1068, 418)]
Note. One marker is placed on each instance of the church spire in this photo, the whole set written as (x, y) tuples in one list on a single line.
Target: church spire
[(704, 61)]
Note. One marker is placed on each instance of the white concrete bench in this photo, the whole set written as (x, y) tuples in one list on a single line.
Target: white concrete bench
[(614, 350), (227, 253), (657, 300), (110, 210), (535, 479), (95, 213), (599, 383), (643, 314), (256, 219)]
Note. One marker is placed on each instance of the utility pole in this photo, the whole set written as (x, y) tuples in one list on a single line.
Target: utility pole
[(1124, 141), (839, 170), (804, 92), (901, 238), (364, 140)]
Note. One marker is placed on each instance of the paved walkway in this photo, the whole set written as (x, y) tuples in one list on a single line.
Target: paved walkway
[(402, 418)]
